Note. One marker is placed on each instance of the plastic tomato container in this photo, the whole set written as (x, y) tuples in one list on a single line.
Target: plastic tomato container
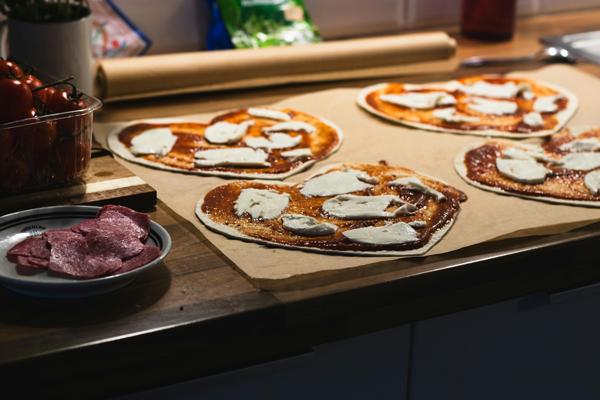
[(46, 151)]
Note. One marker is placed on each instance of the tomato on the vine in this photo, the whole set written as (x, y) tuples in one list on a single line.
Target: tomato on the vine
[(10, 69), (32, 81), (16, 101)]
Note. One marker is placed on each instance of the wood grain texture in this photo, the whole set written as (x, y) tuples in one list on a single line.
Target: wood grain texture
[(195, 315)]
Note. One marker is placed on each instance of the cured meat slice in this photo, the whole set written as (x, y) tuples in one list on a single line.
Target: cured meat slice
[(85, 227), (148, 254), (140, 220), (113, 241), (35, 246), (68, 255), (32, 262)]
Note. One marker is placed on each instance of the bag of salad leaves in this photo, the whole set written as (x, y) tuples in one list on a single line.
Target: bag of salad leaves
[(264, 23)]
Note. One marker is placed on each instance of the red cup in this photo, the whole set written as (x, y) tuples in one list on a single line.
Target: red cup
[(491, 20)]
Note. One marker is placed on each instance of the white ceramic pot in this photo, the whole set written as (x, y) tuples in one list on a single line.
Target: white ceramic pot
[(60, 49)]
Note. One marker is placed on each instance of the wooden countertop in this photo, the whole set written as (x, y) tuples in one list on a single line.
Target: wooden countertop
[(196, 315)]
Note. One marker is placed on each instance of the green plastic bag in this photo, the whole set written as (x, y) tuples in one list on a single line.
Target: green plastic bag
[(265, 23)]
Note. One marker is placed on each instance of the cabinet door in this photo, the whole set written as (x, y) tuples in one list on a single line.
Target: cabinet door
[(539, 347), (373, 366)]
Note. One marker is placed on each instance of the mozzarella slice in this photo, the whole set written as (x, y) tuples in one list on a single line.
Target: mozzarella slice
[(524, 171), (297, 153), (261, 203), (415, 183), (418, 224), (516, 153), (419, 100), (546, 104), (533, 119), (268, 113), (592, 181), (526, 152), (528, 94), (450, 115), (503, 91), (397, 233), (349, 206), (159, 141), (224, 132), (337, 182), (290, 126), (307, 226), (495, 107), (580, 161), (239, 157), (275, 141), (581, 145)]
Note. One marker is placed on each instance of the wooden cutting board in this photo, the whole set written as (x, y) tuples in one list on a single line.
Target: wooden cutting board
[(106, 182)]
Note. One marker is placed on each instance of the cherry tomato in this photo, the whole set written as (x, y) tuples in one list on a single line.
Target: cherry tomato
[(32, 81), (41, 98), (7, 142), (15, 173), (56, 100), (71, 158), (35, 142), (59, 101), (73, 126), (10, 69), (16, 101)]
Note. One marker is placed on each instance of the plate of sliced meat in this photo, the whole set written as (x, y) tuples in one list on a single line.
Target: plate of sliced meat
[(76, 251)]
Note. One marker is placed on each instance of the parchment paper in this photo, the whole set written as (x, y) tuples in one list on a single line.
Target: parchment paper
[(485, 216), (159, 75)]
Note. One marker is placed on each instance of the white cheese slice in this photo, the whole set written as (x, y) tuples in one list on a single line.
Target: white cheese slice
[(450, 115), (397, 233), (297, 153), (503, 91), (295, 126), (516, 153), (350, 206), (269, 114), (224, 132), (495, 107), (581, 145), (239, 157), (592, 181), (580, 161), (261, 203), (159, 141), (546, 104), (419, 100), (418, 224), (526, 151), (450, 86), (337, 182), (275, 141), (414, 183), (524, 171), (528, 94), (307, 226), (533, 119)]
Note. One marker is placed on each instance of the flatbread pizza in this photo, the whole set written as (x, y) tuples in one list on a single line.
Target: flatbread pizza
[(355, 209), (259, 143), (486, 105), (564, 169)]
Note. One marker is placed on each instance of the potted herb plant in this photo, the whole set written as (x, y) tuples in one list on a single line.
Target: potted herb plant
[(53, 36)]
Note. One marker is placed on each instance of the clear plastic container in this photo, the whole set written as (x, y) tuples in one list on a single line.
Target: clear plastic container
[(46, 151)]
